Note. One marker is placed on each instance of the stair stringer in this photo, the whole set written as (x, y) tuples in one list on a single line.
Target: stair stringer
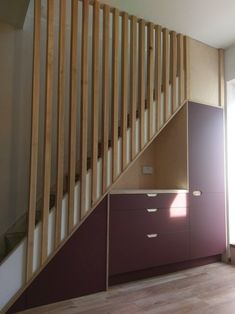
[(14, 266)]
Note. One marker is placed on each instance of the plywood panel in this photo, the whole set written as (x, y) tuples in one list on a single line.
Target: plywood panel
[(115, 85), (95, 96), (221, 78), (61, 126), (124, 86), (204, 73), (173, 70), (141, 95), (47, 129), (72, 113), (133, 83), (34, 139), (150, 79), (165, 73), (106, 96), (158, 74), (168, 157)]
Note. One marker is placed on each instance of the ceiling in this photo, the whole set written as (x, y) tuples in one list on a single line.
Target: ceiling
[(13, 12), (209, 21)]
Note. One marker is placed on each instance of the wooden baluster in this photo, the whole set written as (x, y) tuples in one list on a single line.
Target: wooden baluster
[(180, 68), (72, 113), (106, 86), (173, 70), (47, 129), (60, 123), (133, 83), (150, 78), (124, 88), (165, 73), (221, 77), (84, 107), (34, 138), (115, 93), (158, 76), (142, 80), (95, 97)]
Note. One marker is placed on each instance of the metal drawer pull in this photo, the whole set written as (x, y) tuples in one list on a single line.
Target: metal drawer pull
[(152, 210), (197, 193), (152, 194), (152, 235)]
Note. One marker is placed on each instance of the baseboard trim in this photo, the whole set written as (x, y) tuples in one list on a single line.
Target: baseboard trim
[(161, 270)]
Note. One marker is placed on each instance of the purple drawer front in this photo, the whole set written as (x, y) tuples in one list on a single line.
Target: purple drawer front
[(131, 252), (147, 221), (143, 201)]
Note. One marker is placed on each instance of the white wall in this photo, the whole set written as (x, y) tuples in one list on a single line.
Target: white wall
[(15, 95)]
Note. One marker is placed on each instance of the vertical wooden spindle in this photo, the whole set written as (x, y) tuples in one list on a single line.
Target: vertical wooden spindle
[(47, 129), (106, 86), (186, 69), (180, 68), (72, 113), (60, 123), (115, 93), (95, 96), (142, 80), (173, 70), (165, 73), (133, 83), (124, 84), (158, 74), (34, 138), (150, 80), (221, 78), (84, 107)]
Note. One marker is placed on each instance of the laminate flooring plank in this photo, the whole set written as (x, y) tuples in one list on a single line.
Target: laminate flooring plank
[(201, 290)]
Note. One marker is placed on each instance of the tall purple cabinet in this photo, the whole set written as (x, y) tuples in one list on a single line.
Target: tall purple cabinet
[(206, 180)]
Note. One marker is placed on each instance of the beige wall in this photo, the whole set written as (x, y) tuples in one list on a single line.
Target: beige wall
[(204, 73)]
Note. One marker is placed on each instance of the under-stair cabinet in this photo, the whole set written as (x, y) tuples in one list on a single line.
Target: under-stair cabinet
[(152, 227)]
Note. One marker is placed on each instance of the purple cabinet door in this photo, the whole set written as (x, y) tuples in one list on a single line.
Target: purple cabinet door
[(206, 174), (138, 250), (207, 225), (206, 148)]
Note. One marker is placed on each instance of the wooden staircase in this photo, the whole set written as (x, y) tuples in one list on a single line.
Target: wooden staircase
[(136, 105)]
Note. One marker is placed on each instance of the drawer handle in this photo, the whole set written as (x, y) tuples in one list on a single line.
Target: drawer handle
[(152, 235), (152, 194), (152, 210), (197, 193)]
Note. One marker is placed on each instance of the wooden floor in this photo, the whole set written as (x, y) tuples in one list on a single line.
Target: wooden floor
[(205, 289)]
